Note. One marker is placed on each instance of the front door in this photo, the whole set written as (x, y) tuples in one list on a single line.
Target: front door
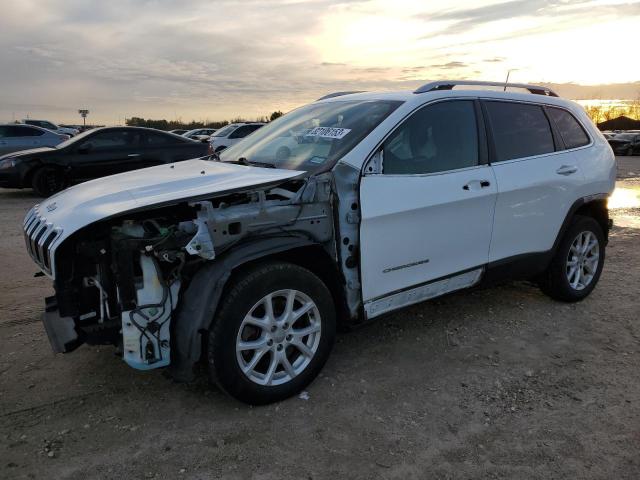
[(107, 152), (428, 214)]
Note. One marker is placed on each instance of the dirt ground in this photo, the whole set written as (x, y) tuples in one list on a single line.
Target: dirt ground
[(495, 383)]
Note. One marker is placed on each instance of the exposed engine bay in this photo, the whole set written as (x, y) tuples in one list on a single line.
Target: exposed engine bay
[(120, 281)]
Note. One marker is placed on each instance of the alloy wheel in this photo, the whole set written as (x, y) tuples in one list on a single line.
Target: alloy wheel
[(582, 260), (278, 337)]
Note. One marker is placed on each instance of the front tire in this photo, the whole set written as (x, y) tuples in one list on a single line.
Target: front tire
[(577, 264), (47, 180), (273, 334)]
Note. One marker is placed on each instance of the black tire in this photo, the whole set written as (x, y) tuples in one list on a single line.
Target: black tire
[(240, 299), (47, 180), (630, 152), (554, 281)]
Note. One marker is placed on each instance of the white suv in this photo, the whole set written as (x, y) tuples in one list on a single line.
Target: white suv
[(52, 126), (251, 259), (231, 134)]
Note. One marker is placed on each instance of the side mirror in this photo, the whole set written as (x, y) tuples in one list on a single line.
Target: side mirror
[(86, 148)]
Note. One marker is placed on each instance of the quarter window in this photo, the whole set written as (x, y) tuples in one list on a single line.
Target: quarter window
[(570, 129), (437, 138), (519, 130)]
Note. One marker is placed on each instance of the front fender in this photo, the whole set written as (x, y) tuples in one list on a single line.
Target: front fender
[(199, 302)]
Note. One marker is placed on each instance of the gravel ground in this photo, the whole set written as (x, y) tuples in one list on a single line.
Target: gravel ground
[(494, 383)]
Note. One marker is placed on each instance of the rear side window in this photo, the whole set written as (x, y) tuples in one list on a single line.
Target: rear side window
[(519, 130), (570, 129), (153, 139), (437, 138)]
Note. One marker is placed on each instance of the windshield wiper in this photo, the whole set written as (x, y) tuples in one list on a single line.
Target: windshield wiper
[(244, 161)]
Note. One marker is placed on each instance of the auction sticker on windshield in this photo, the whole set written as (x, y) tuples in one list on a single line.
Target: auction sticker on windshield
[(328, 132)]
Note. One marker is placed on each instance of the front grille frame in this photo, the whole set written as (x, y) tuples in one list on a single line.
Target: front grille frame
[(39, 236)]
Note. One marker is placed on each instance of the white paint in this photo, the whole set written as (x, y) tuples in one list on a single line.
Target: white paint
[(421, 293), (89, 202), (417, 228)]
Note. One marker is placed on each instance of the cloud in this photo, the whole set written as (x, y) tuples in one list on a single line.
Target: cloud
[(202, 59), (466, 19)]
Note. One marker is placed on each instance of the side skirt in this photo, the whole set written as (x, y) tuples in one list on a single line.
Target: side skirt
[(418, 294)]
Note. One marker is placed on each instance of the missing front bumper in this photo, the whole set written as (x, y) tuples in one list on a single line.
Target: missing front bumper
[(61, 330)]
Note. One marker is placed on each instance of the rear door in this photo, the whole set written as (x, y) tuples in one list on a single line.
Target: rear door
[(428, 215), (538, 178), (107, 152)]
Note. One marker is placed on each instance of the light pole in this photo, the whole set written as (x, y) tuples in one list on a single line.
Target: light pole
[(83, 114)]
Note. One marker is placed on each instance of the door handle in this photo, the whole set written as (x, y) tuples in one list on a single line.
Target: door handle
[(133, 155), (567, 170), (473, 184)]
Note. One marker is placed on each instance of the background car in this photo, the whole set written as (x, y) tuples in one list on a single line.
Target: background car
[(14, 137), (178, 131), (92, 154), (199, 133), (51, 126), (232, 133), (625, 143)]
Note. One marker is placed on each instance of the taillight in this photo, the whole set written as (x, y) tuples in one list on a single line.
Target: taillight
[(210, 150), (65, 137)]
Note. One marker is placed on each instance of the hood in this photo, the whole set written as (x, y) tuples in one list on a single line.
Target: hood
[(88, 202), (26, 153)]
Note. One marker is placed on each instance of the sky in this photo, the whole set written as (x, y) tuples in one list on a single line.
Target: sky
[(215, 60)]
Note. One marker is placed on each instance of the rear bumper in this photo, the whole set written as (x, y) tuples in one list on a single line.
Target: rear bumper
[(61, 331)]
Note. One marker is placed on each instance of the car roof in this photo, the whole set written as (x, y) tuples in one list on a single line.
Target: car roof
[(24, 125), (474, 90)]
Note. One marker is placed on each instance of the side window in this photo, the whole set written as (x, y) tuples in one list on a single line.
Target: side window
[(437, 138), (112, 139), (243, 131), (570, 129), (22, 131), (4, 132), (519, 130), (156, 139)]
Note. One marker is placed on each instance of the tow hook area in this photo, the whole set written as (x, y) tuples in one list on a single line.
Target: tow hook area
[(60, 330)]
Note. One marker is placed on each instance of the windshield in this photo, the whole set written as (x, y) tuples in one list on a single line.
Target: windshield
[(74, 139), (312, 137)]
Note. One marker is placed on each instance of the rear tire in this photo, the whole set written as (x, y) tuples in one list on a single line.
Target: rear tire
[(577, 264), (630, 152), (47, 180), (260, 354)]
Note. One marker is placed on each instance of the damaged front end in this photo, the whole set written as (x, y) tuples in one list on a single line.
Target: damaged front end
[(122, 280)]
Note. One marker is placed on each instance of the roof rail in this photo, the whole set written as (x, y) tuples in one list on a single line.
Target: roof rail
[(449, 84), (338, 94)]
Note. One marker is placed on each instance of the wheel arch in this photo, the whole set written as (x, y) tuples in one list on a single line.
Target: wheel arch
[(27, 176), (594, 206), (200, 301)]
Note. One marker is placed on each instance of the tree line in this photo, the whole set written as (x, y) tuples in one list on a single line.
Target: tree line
[(179, 124)]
